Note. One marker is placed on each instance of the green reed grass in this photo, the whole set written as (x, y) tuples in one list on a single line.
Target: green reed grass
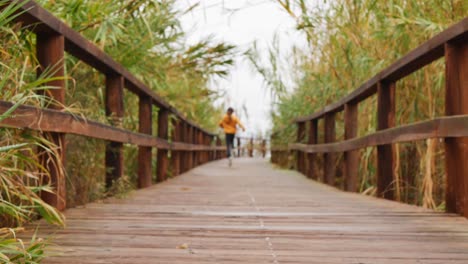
[(350, 41)]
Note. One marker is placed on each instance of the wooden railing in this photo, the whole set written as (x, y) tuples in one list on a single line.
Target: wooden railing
[(450, 44), (251, 147), (189, 144)]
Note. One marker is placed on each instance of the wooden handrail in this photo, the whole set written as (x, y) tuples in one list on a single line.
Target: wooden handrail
[(443, 127), (452, 44)]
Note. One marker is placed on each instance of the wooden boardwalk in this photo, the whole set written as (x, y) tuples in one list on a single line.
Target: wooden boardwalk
[(253, 213)]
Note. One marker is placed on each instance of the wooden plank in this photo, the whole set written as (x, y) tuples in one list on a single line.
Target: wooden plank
[(385, 153), (426, 53), (216, 215), (455, 126), (144, 153), (456, 149), (351, 157), (50, 55), (312, 140), (162, 160), (329, 157)]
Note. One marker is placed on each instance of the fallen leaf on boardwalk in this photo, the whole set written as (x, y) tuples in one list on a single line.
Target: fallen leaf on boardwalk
[(182, 246), (185, 188)]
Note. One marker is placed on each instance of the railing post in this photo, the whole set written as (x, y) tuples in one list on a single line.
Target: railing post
[(219, 153), (330, 157), (144, 153), (351, 158), (313, 129), (201, 154), (196, 138), (190, 154), (162, 160), (300, 138), (114, 112), (238, 147), (212, 154), (185, 153), (176, 155), (263, 148), (456, 149), (208, 152), (251, 148), (385, 153), (50, 54)]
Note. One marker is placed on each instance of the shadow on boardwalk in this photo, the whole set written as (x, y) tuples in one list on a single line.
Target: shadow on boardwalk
[(252, 213)]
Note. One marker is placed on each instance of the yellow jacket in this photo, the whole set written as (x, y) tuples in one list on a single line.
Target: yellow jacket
[(229, 124)]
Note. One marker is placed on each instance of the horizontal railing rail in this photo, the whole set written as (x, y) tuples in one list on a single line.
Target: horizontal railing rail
[(450, 44), (189, 145)]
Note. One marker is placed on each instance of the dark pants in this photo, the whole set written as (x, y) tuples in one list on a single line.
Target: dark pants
[(229, 143)]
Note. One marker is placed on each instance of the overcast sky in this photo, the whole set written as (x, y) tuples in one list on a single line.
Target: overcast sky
[(241, 22)]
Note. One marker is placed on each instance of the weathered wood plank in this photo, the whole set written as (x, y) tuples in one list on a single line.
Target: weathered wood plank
[(255, 214)]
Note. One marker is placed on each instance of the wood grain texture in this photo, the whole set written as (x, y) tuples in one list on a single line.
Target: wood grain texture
[(385, 153), (351, 158), (50, 55), (145, 119), (456, 149), (252, 213)]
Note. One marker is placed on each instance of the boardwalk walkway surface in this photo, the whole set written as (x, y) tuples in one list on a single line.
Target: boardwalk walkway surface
[(253, 213)]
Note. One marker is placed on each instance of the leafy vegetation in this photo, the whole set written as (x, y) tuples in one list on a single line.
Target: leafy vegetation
[(350, 41)]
